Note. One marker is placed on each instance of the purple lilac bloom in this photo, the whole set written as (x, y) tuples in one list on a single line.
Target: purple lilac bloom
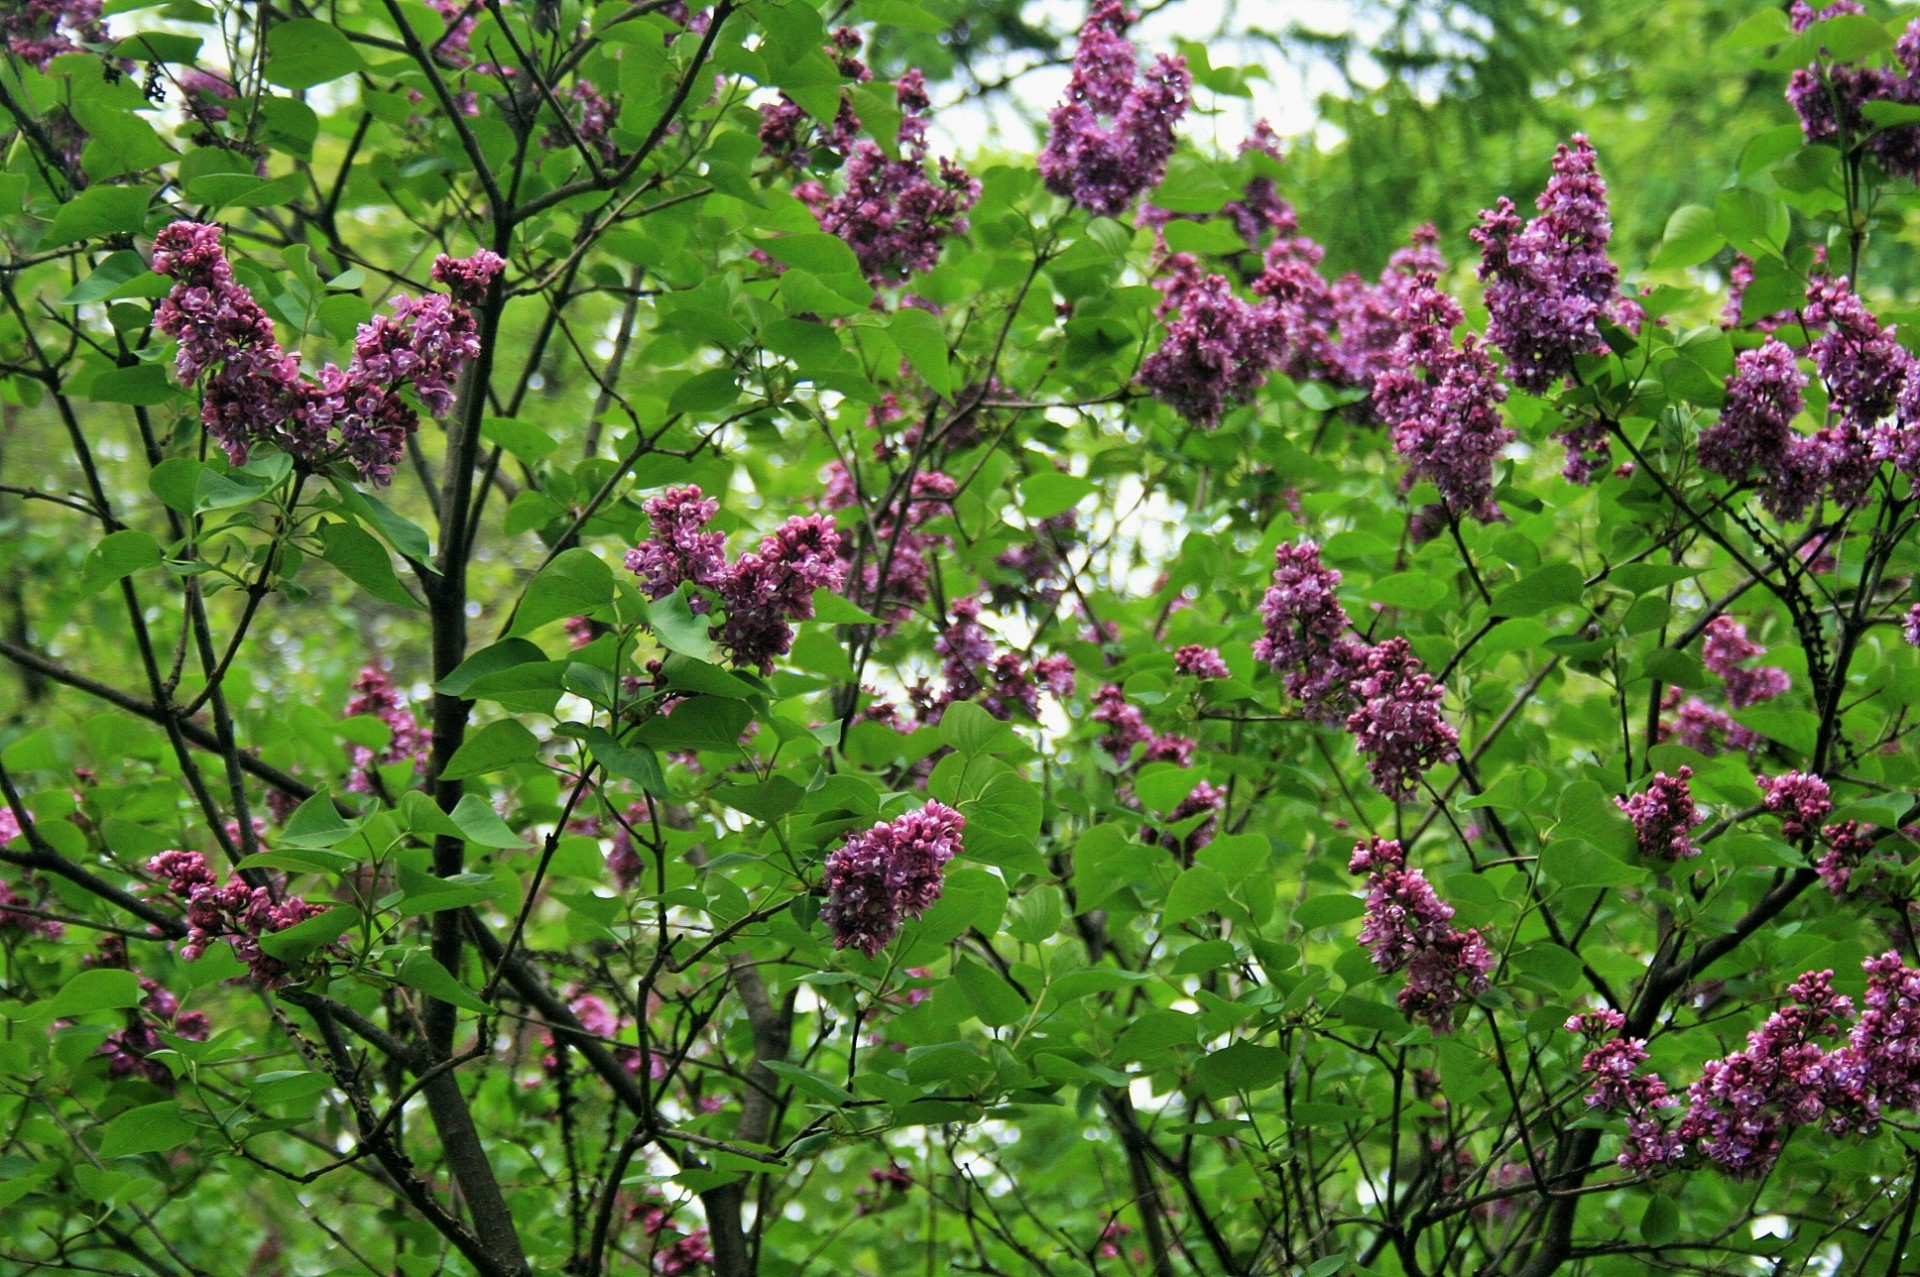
[(38, 31), (1397, 723), (1619, 1087), (1754, 431), (374, 695), (1549, 282), (1861, 362), (1440, 402), (1704, 728), (1408, 927), (12, 903), (1848, 845), (623, 860), (889, 872), (1663, 815), (1910, 628), (1200, 662), (1725, 651), (769, 589), (1204, 799), (236, 913), (1830, 98), (1739, 1111), (129, 1051), (680, 548), (890, 212), (1801, 801), (204, 95), (1218, 348), (1295, 325), (1305, 637), (1104, 166), (1126, 725)]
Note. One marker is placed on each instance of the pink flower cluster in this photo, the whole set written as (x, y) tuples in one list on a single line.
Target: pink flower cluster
[(374, 695), (236, 913), (1725, 649), (623, 860), (1663, 815), (1408, 927), (12, 903), (890, 872), (1388, 701), (129, 1051), (1441, 403), (1704, 728), (1200, 662), (1001, 679), (897, 566), (1800, 800), (38, 31), (254, 391), (1217, 349), (1549, 282), (1830, 98), (1620, 1087), (1113, 133), (1127, 726), (762, 594)]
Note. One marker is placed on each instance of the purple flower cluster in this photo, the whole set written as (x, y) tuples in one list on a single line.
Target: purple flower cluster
[(1619, 1087), (12, 918), (1663, 816), (1127, 726), (1704, 728), (1848, 845), (623, 861), (1002, 680), (129, 1051), (1754, 434), (1386, 699), (891, 212), (1205, 799), (1910, 628), (374, 695), (1801, 801), (38, 31), (1113, 132), (1440, 402), (1397, 722), (1218, 348), (236, 913), (1408, 927), (1200, 662), (896, 568), (763, 593), (1549, 282), (1725, 651), (204, 95), (1830, 97), (1740, 1108), (254, 391), (889, 872), (1306, 636)]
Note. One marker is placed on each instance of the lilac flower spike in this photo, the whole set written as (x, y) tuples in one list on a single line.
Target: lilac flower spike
[(888, 873), (1549, 282), (1408, 927), (1104, 167), (1663, 816)]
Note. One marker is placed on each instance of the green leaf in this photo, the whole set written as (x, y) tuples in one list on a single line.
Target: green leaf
[(1660, 1221), (1242, 1066), (1196, 891), (1045, 495), (364, 561), (315, 823), (967, 729), (100, 989), (700, 722), (479, 823), (678, 629), (1408, 589), (1753, 222), (1692, 237), (575, 582), (109, 277), (924, 343), (96, 212), (523, 439), (1036, 915), (119, 554), (421, 970), (1589, 813), (503, 655), (1325, 910), (495, 747), (766, 801), (634, 763), (993, 1000), (1554, 585), (814, 1084), (151, 1128), (705, 392), (316, 933), (304, 52)]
